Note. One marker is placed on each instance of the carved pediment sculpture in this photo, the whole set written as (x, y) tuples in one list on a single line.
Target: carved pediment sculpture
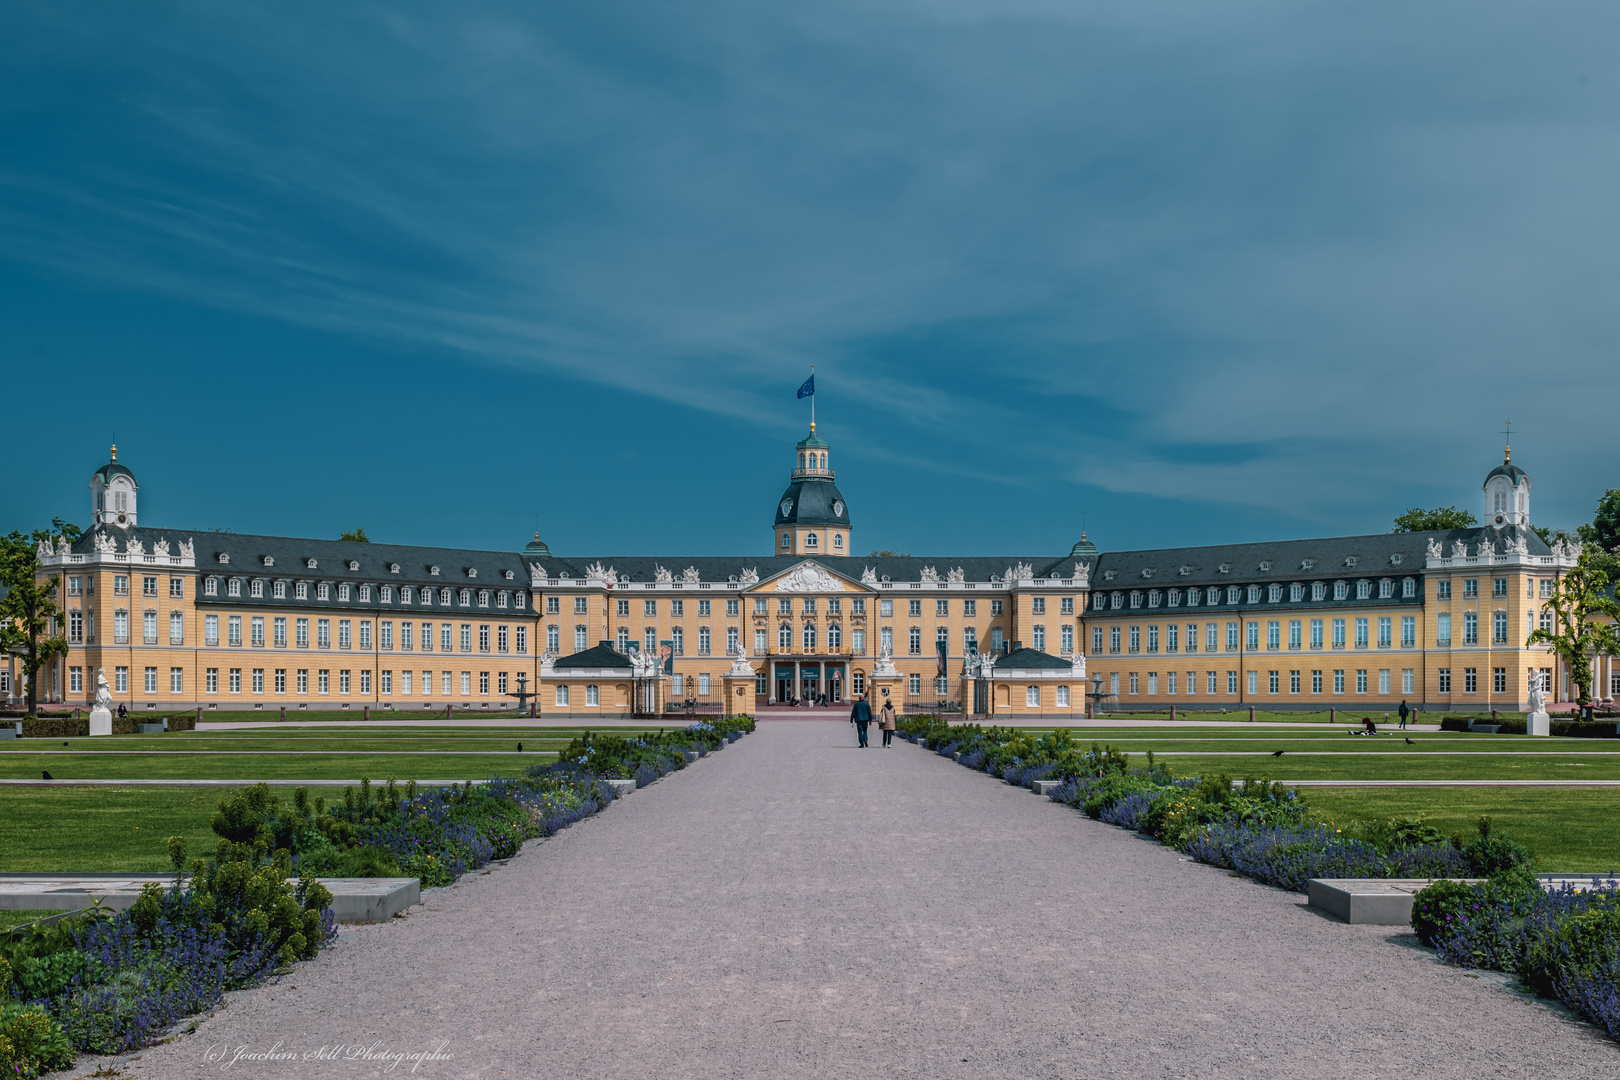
[(928, 576), (160, 547), (662, 576), (1435, 550), (808, 577), (869, 576), (690, 575)]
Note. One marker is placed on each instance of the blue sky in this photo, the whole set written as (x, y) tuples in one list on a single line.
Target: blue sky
[(1186, 272)]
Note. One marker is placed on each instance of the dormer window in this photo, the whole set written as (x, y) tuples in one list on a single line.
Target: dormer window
[(301, 591), (1174, 597), (466, 597), (1254, 594), (1153, 598), (811, 540), (472, 571), (211, 587), (311, 564), (1340, 590), (1318, 591), (1098, 601), (268, 561), (1350, 561), (279, 590), (1363, 590), (1386, 589), (1395, 559), (444, 597), (393, 568), (353, 565), (1136, 598), (483, 598), (518, 601), (838, 541), (1274, 594), (1224, 568), (510, 576), (224, 558), (1296, 592), (386, 594), (1265, 567), (233, 587), (500, 599), (1232, 594), (433, 571), (365, 594), (406, 593), (343, 592), (1408, 588), (323, 591), (1118, 600)]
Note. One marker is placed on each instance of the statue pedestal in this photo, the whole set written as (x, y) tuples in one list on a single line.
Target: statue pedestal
[(739, 693), (886, 686), (100, 721), (1538, 723)]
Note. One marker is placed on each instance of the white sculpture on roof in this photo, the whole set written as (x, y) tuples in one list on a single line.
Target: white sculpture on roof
[(537, 573), (599, 572), (43, 550), (928, 576), (134, 546), (1486, 547), (749, 576), (956, 576), (1519, 545), (62, 546), (160, 547), (1435, 550), (690, 575), (1077, 665), (1082, 574), (1459, 549), (869, 576), (188, 550), (662, 576), (1024, 571), (105, 544)]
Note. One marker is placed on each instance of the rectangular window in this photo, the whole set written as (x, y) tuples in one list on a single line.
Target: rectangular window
[(1383, 681), (995, 609), (75, 680), (593, 695), (914, 641), (1316, 681), (1361, 632), (323, 681), (1153, 684), (562, 695), (1192, 637), (407, 635), (1232, 636), (483, 637), (1134, 683), (149, 588), (1445, 680), (445, 630), (1254, 683), (1361, 680), (258, 632), (120, 627), (211, 630), (1271, 682), (385, 634), (1338, 633), (706, 641), (466, 637), (1338, 681), (942, 609), (1499, 625), (914, 685), (1136, 639), (121, 680), (446, 683), (1212, 680), (1442, 628), (483, 682), (177, 680), (364, 640), (236, 680), (1384, 631), (303, 681), (582, 638), (385, 682), (343, 681), (913, 608), (1273, 635), (1294, 633), (501, 638), (500, 682), (1153, 639), (301, 633), (1499, 680), (1254, 636), (1067, 644), (150, 682), (343, 633), (149, 628), (1170, 684), (281, 632), (521, 643), (1037, 605), (1316, 633), (323, 633), (579, 606), (1470, 588), (1406, 680), (211, 680), (1113, 639), (1470, 680), (1408, 631), (1499, 587), (1293, 682), (1442, 590), (1471, 628)]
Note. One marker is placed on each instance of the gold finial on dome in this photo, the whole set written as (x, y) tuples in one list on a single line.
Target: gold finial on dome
[(1507, 451), (115, 451)]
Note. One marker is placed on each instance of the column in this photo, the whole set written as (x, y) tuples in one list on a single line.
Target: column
[(798, 686), (821, 687)]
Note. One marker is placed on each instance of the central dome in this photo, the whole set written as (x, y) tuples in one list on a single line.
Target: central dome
[(812, 502)]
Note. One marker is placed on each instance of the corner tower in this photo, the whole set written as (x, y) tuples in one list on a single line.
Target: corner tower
[(1507, 493), (811, 516), (112, 494)]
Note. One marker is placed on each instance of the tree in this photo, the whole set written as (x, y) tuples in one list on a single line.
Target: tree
[(28, 610), (1584, 614), (1604, 531), (886, 554), (357, 535), (1436, 520)]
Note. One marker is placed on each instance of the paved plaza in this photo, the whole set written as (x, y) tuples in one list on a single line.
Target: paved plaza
[(796, 907)]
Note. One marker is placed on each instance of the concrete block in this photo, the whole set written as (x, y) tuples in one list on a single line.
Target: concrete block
[(691, 756), (1041, 787), (354, 900), (623, 787)]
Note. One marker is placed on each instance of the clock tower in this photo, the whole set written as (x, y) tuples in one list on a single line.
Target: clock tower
[(811, 516)]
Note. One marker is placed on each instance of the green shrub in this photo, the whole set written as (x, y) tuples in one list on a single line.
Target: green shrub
[(1494, 853), (1437, 906), (31, 1043), (1575, 947)]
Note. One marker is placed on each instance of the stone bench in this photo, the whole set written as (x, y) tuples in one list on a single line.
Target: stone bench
[(1042, 787), (354, 900), (623, 787), (1388, 901)]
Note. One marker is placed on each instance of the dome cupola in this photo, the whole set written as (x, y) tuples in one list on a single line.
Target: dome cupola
[(811, 516), (1507, 493), (112, 494)]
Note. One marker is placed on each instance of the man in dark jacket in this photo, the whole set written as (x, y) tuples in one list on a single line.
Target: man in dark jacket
[(860, 716)]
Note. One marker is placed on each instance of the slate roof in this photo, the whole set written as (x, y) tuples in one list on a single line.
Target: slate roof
[(1509, 470), (713, 568), (602, 655), (112, 469), (1030, 660), (810, 502)]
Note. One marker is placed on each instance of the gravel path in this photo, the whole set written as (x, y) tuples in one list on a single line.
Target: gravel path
[(795, 907)]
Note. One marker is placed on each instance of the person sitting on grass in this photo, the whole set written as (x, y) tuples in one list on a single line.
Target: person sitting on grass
[(1371, 728)]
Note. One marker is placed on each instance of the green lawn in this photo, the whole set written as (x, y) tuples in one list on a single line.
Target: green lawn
[(1240, 714), (111, 830), (8, 919), (1571, 830)]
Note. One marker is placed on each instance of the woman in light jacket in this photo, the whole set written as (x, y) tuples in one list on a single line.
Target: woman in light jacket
[(886, 722)]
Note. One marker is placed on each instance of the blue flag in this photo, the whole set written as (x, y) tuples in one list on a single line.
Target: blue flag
[(809, 387)]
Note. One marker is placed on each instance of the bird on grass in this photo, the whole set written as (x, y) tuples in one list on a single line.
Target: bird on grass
[(1276, 753), (520, 748), (64, 744), (1409, 742), (46, 776)]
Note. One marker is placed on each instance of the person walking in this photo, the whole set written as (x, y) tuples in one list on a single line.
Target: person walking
[(886, 723), (1405, 712), (860, 716)]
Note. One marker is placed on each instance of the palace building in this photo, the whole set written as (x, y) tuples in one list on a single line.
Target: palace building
[(187, 619)]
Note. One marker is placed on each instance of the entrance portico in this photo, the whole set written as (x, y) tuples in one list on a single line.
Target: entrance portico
[(807, 678)]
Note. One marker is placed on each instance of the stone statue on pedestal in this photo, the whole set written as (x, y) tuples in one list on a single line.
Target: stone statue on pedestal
[(101, 715), (1538, 722)]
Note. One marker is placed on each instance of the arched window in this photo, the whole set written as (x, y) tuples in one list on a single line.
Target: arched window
[(838, 540), (1032, 697), (835, 636), (784, 637), (786, 542), (809, 637), (801, 461), (823, 461), (810, 540)]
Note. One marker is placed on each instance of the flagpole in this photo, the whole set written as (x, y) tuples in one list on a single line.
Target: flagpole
[(812, 400)]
